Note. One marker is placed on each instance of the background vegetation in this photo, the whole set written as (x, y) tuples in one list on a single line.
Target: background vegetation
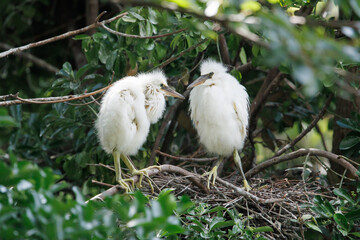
[(299, 61)]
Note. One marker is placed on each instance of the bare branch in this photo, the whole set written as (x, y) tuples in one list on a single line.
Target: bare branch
[(170, 60), (32, 58), (47, 100), (62, 36), (138, 36), (303, 152), (307, 130)]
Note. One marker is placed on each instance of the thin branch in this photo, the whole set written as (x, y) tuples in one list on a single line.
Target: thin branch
[(170, 60), (246, 194), (47, 100), (303, 152), (62, 36), (307, 130), (187, 158), (224, 50), (32, 58), (138, 36), (240, 31)]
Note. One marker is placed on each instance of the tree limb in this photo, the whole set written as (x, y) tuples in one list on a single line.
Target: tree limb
[(138, 36), (62, 36), (47, 100), (307, 130), (303, 152), (32, 58)]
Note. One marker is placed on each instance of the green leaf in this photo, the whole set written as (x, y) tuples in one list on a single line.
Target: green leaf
[(350, 124), (349, 142), (148, 28), (255, 50), (142, 29), (356, 234), (82, 71), (137, 16), (313, 226), (174, 43), (243, 57), (342, 222), (81, 37), (353, 215), (8, 121), (99, 37), (342, 193), (67, 68), (263, 229), (111, 60)]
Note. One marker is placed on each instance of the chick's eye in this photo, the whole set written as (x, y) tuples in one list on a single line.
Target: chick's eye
[(161, 85)]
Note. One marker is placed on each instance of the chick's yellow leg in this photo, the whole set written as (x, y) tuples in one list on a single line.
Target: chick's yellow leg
[(213, 173), (141, 173), (239, 164), (122, 182)]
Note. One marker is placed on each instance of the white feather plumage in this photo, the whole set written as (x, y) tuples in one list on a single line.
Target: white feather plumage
[(127, 109), (219, 110)]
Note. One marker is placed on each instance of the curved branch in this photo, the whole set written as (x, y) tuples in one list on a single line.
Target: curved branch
[(307, 130), (32, 58), (303, 152), (195, 178), (47, 100), (138, 36), (62, 36)]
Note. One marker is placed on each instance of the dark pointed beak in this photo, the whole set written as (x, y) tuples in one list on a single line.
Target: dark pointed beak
[(170, 92), (200, 80)]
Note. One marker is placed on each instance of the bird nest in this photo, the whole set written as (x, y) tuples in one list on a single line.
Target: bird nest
[(283, 216)]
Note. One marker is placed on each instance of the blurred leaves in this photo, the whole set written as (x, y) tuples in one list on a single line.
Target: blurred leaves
[(335, 218), (30, 199)]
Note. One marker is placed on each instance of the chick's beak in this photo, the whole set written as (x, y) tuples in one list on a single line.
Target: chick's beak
[(170, 92), (200, 80)]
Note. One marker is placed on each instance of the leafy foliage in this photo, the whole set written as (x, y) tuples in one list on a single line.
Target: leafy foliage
[(310, 52), (335, 219), (219, 222), (34, 206)]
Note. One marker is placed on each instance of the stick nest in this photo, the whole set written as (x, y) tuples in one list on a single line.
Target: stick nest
[(282, 216)]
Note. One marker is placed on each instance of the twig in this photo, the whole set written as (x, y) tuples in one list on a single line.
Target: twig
[(48, 99), (187, 158), (242, 32), (32, 58), (224, 51), (170, 60), (62, 36), (303, 152), (102, 184), (246, 194), (271, 79), (307, 130), (138, 36)]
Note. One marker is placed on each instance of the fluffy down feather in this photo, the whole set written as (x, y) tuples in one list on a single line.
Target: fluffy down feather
[(219, 110), (122, 121)]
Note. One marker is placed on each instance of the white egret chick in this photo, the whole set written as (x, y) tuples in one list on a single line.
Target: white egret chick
[(219, 107), (127, 109)]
